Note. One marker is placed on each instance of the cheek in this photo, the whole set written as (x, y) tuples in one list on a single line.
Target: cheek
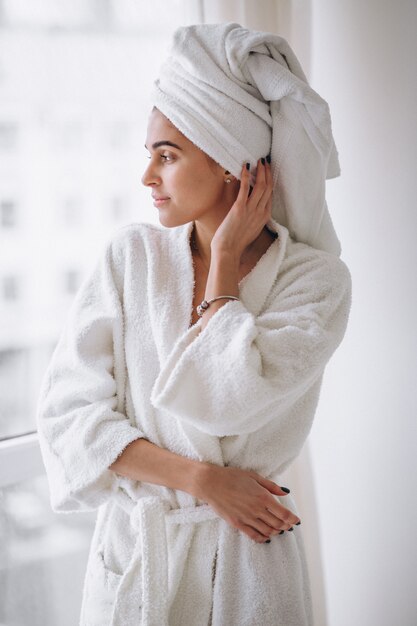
[(206, 184), (193, 183)]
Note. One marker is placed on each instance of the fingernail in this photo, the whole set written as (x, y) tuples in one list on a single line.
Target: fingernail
[(268, 541), (268, 158), (247, 166), (291, 528), (298, 523), (281, 531), (285, 489), (262, 160)]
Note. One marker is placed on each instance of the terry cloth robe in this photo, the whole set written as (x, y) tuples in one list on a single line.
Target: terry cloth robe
[(242, 392)]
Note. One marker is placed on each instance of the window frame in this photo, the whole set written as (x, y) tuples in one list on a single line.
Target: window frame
[(20, 459)]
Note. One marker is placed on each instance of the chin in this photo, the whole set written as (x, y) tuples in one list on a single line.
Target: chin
[(170, 220)]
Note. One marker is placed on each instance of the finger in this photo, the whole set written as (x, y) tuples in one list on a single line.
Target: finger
[(272, 521), (276, 515), (264, 529), (275, 524), (270, 203), (252, 533), (269, 209), (266, 201), (260, 184), (271, 486), (284, 516), (244, 184), (268, 176)]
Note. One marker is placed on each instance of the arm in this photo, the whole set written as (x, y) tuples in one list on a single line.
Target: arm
[(222, 280), (145, 461), (230, 491), (241, 372), (82, 427)]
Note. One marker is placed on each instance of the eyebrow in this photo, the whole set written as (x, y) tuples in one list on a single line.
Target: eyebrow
[(157, 144)]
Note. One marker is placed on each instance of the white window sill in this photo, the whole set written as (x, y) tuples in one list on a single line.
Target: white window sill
[(20, 459)]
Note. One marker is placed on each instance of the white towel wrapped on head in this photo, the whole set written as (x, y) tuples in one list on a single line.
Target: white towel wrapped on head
[(239, 95)]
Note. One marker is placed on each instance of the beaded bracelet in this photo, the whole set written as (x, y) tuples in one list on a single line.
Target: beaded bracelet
[(205, 304)]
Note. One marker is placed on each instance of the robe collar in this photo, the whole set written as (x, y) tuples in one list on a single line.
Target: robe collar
[(172, 315), (255, 287)]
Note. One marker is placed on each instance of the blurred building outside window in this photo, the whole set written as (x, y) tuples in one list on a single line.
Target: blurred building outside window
[(75, 81)]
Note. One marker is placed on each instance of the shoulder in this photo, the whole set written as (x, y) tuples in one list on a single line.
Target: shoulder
[(126, 246), (309, 275), (138, 241), (132, 236), (303, 260), (312, 289)]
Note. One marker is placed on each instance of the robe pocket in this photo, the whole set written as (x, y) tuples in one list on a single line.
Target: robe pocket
[(101, 591)]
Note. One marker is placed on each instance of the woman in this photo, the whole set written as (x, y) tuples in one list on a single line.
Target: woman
[(188, 373)]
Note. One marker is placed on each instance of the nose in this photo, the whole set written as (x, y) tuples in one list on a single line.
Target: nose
[(149, 176)]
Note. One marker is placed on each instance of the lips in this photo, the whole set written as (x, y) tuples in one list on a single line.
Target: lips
[(158, 201)]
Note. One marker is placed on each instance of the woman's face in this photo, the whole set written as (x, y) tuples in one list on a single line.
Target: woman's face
[(193, 182)]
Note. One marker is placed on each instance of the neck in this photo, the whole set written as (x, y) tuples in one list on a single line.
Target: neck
[(201, 244)]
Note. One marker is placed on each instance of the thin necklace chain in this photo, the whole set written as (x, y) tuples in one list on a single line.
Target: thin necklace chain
[(194, 247)]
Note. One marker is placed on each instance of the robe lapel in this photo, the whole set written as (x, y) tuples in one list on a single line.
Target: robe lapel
[(171, 282), (256, 286), (170, 287), (172, 279)]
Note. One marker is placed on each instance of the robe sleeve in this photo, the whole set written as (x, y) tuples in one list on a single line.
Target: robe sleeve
[(242, 371), (80, 418)]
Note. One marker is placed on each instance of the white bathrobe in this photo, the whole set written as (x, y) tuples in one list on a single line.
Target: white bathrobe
[(242, 392)]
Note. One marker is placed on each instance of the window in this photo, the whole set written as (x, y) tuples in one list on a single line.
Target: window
[(72, 281), (8, 213), (119, 208), (10, 288), (68, 134), (72, 206), (40, 552), (79, 73), (118, 135), (15, 401), (8, 136)]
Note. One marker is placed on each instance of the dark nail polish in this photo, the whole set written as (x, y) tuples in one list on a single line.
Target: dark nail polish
[(263, 161), (285, 489), (268, 541), (291, 528), (247, 166), (281, 531), (268, 158), (298, 523)]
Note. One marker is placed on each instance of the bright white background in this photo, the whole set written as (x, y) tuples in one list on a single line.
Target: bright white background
[(364, 442), (360, 56)]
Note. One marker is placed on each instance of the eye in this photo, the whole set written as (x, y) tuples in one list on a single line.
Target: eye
[(163, 156)]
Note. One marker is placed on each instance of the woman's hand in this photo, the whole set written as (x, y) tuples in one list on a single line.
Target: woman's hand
[(249, 213), (244, 499)]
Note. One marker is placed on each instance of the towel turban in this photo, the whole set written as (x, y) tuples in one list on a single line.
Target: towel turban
[(241, 94)]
